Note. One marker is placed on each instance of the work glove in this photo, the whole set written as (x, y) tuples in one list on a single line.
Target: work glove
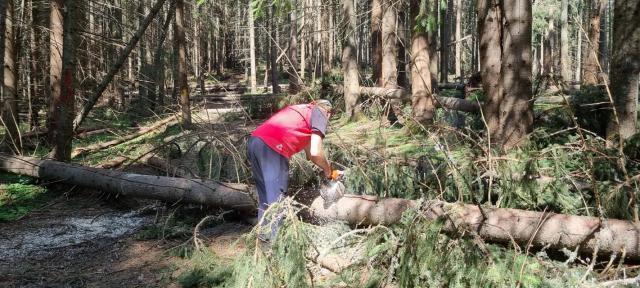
[(336, 175)]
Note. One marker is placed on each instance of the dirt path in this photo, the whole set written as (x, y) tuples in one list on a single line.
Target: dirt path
[(82, 241)]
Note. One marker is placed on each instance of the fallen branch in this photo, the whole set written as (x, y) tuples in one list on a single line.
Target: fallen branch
[(99, 146)]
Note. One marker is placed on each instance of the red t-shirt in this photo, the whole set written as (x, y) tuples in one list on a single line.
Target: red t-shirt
[(289, 130)]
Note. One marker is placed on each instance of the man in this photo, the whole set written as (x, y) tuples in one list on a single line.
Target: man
[(272, 144)]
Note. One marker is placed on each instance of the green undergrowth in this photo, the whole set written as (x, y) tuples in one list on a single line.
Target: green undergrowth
[(19, 195), (412, 253)]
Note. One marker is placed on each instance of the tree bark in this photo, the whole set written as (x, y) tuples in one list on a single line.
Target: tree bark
[(273, 54), (294, 77), (505, 61), (97, 93), (172, 190), (182, 64), (625, 67), (9, 95), (565, 60), (509, 226), (158, 61), (389, 46), (422, 104), (590, 70), (252, 52), (458, 45), (445, 39), (376, 40), (350, 62)]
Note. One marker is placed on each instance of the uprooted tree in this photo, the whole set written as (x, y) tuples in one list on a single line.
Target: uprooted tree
[(510, 226)]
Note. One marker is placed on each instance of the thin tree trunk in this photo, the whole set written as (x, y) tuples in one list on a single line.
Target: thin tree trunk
[(252, 52), (421, 101), (349, 61), (294, 80), (10, 79), (565, 60), (93, 99), (389, 48), (578, 58), (445, 39), (303, 41), (458, 47), (158, 61), (376, 40), (603, 43), (590, 70), (274, 51), (182, 64)]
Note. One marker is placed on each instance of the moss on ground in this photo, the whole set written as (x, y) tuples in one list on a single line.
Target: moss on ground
[(19, 195)]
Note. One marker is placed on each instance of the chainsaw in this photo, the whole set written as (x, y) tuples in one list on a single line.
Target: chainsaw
[(331, 190)]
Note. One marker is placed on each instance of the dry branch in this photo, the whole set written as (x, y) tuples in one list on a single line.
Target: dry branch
[(99, 146)]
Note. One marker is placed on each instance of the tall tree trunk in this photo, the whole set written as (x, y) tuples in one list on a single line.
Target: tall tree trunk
[(10, 79), (303, 41), (445, 39), (401, 35), (565, 60), (62, 70), (349, 61), (158, 61), (422, 100), (294, 78), (326, 38), (376, 40), (625, 67), (274, 51), (603, 43), (505, 55), (182, 64), (95, 95), (578, 58), (389, 48), (590, 70), (252, 52), (458, 47), (432, 35)]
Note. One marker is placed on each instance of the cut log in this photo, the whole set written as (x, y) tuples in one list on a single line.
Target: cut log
[(510, 226), (99, 146), (172, 190), (607, 237)]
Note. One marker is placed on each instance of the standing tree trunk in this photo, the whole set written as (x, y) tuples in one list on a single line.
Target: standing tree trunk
[(590, 70), (389, 48), (505, 56), (422, 100), (252, 52), (158, 61), (294, 80), (445, 39), (458, 47), (62, 70), (625, 67), (10, 79), (182, 64), (376, 40), (565, 60), (274, 50), (350, 61)]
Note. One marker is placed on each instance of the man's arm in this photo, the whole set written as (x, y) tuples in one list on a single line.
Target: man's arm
[(315, 153)]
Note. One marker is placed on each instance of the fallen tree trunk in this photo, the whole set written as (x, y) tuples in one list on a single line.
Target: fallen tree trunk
[(172, 190), (606, 237), (99, 146)]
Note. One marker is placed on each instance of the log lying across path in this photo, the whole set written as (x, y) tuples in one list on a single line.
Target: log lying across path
[(172, 190), (589, 234)]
